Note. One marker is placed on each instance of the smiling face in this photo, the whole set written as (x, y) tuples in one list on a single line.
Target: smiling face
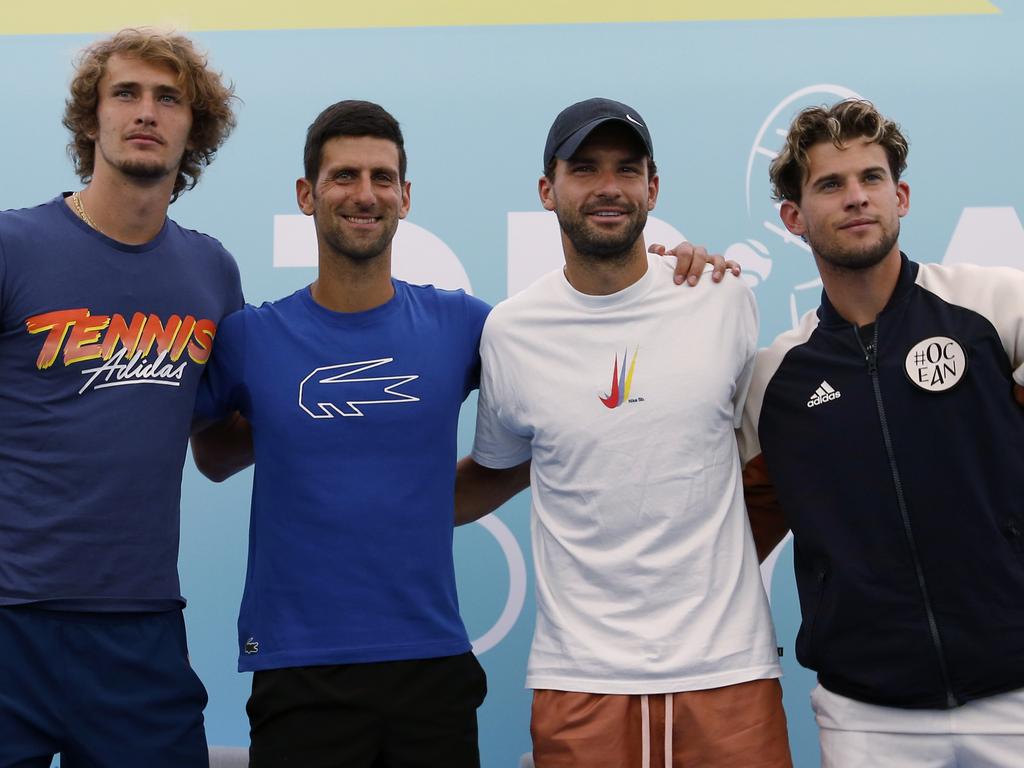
[(143, 120), (602, 194), (850, 205), (357, 198)]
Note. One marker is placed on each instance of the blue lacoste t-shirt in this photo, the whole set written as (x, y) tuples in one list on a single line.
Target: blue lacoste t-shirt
[(354, 419)]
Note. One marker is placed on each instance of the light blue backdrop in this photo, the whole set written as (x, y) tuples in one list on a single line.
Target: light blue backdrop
[(475, 104)]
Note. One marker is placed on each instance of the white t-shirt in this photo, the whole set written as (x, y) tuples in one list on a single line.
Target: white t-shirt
[(647, 578)]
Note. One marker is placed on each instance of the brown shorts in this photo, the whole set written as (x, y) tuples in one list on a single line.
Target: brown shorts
[(736, 726)]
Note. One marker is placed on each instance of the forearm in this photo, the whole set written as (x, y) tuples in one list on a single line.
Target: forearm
[(223, 448), (480, 490), (767, 522)]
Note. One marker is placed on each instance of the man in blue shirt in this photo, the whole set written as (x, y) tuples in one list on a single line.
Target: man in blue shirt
[(108, 310)]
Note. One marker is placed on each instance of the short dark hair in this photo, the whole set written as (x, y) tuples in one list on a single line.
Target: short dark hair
[(839, 124), (208, 96), (351, 118)]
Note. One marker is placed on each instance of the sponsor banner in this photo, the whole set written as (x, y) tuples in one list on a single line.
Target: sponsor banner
[(66, 17)]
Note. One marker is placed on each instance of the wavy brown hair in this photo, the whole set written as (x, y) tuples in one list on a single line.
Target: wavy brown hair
[(211, 100), (839, 124)]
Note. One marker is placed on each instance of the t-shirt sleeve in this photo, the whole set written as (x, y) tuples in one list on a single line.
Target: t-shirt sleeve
[(496, 445), (476, 316), (233, 297), (220, 388), (748, 332), (3, 280)]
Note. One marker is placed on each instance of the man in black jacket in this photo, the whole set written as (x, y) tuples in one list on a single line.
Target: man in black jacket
[(886, 432)]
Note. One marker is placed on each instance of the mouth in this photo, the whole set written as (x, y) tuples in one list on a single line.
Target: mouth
[(144, 139), (607, 214), (361, 221), (857, 224)]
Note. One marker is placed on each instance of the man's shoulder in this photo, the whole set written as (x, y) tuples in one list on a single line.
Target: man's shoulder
[(770, 358), (455, 303), (543, 292), (199, 241), (18, 218), (963, 278)]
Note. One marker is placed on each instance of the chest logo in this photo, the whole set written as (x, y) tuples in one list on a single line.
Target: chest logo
[(621, 381), (823, 394), (936, 364), (336, 389)]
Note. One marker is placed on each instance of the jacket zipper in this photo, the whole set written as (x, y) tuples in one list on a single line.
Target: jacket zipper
[(871, 357)]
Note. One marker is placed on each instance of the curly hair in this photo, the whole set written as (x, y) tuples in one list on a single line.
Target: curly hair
[(843, 121), (211, 100)]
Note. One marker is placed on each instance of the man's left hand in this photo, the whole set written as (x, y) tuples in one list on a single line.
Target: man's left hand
[(691, 260)]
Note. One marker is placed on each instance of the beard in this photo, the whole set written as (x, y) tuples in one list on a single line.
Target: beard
[(354, 248), (594, 244), (855, 259), (143, 171)]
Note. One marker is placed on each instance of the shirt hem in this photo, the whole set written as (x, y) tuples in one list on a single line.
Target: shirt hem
[(285, 659), (669, 685)]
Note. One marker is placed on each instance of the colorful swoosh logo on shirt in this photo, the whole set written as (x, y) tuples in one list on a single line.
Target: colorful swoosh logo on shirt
[(621, 381)]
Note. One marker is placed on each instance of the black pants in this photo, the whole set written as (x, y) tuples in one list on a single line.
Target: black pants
[(392, 714)]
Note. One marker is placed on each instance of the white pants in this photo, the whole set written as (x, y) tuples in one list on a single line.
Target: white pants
[(987, 733)]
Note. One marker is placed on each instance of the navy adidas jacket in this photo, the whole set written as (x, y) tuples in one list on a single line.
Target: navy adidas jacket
[(898, 461)]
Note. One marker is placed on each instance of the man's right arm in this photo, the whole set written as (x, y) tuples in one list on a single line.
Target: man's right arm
[(480, 490), (222, 448), (767, 522)]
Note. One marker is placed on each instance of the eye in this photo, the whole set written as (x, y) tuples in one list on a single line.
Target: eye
[(169, 98), (582, 169), (874, 176), (383, 178)]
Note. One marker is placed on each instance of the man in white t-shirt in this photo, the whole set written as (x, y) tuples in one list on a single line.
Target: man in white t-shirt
[(621, 393)]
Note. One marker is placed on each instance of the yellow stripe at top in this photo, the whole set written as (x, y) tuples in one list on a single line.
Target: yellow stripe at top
[(98, 16)]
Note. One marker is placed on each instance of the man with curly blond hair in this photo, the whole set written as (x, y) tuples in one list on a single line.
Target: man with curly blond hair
[(108, 311), (889, 425)]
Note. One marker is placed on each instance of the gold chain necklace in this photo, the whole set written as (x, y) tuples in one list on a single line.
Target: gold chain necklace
[(76, 200)]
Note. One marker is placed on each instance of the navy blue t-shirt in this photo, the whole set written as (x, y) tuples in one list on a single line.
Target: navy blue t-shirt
[(102, 346), (354, 419)]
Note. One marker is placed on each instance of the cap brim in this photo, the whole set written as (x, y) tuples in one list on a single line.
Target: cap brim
[(568, 147)]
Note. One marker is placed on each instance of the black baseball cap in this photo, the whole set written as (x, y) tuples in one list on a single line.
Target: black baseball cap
[(575, 123)]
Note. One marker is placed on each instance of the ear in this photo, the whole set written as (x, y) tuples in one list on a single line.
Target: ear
[(304, 196), (902, 198), (406, 199), (790, 214), (546, 189), (652, 191)]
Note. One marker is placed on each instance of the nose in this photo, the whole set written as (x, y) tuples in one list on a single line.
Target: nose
[(147, 109), (363, 194), (608, 185), (856, 195)]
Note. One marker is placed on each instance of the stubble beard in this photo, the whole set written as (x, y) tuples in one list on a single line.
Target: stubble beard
[(597, 246), (347, 247), (859, 259), (141, 170)]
